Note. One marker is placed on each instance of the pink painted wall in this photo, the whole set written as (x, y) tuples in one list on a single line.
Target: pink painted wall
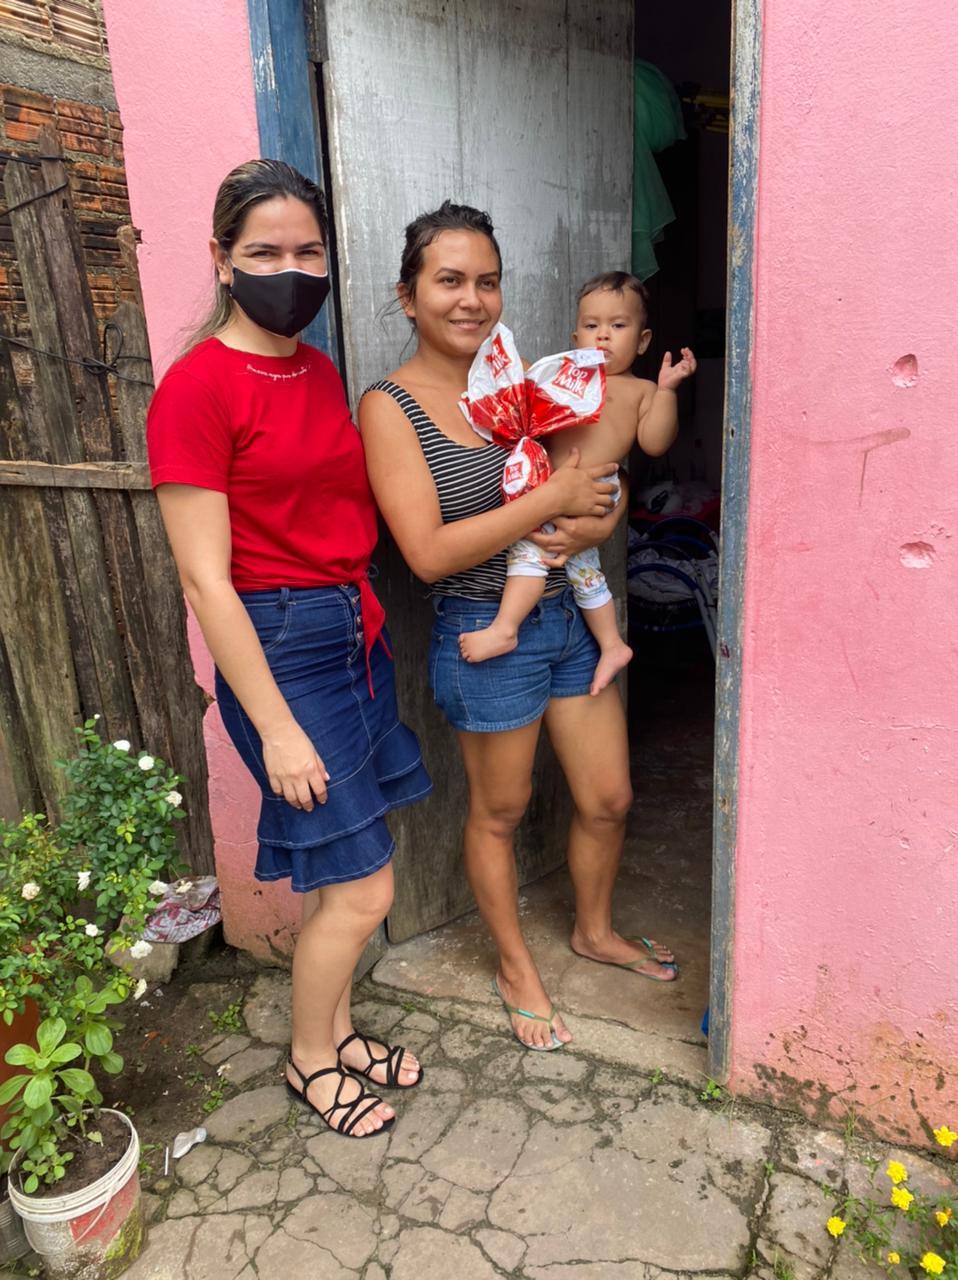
[(184, 84), (847, 860)]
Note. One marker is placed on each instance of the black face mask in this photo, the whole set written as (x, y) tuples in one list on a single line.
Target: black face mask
[(282, 302)]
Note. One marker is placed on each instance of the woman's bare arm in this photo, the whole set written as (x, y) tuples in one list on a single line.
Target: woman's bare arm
[(575, 534), (406, 494), (197, 525)]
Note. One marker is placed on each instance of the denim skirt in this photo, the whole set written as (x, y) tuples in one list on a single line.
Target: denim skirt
[(555, 658), (314, 644)]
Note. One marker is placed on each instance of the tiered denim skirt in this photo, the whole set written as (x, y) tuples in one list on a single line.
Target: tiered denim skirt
[(314, 643)]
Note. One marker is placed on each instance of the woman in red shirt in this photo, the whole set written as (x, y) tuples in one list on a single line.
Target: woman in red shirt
[(261, 480)]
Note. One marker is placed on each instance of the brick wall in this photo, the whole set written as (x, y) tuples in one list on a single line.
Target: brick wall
[(92, 140), (74, 25)]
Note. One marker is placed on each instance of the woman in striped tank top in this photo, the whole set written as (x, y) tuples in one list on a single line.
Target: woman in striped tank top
[(437, 486)]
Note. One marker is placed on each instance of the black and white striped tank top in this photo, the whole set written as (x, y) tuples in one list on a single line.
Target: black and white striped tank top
[(467, 484)]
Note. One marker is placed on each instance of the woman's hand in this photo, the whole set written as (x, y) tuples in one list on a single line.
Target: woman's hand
[(294, 769), (567, 540), (582, 491)]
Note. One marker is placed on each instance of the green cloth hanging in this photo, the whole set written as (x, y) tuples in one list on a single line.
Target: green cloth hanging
[(658, 124)]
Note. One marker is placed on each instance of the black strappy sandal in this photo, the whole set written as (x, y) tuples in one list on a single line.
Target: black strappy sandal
[(391, 1062), (352, 1117)]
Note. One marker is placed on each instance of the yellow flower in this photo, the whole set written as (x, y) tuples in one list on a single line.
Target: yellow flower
[(901, 1197), (945, 1136), (894, 1257), (943, 1217), (896, 1171), (835, 1227), (933, 1264)]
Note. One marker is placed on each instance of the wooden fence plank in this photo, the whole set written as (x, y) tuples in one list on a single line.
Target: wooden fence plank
[(19, 788), (101, 443), (38, 699), (184, 697), (76, 475), (105, 686)]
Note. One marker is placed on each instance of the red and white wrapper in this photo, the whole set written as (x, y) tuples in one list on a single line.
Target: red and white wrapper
[(526, 467), (516, 407)]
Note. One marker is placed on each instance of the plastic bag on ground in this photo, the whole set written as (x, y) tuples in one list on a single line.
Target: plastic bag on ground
[(187, 908)]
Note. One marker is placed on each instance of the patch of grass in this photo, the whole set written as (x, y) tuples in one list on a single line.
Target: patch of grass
[(713, 1091), (657, 1076), (231, 1018), (215, 1092), (146, 1166), (850, 1123), (193, 1050), (782, 1270)]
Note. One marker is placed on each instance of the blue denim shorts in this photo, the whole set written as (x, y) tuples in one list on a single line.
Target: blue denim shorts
[(555, 658), (312, 638)]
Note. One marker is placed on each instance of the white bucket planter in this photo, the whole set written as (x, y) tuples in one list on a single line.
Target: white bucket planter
[(13, 1243), (94, 1233)]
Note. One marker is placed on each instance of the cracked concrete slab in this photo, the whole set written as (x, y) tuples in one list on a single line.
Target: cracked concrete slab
[(481, 1147), (571, 1166), (425, 1251)]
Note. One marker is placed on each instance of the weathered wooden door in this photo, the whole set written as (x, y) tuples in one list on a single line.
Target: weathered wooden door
[(523, 109), (91, 617)]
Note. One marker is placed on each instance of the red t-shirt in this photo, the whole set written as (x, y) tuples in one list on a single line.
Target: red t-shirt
[(274, 434)]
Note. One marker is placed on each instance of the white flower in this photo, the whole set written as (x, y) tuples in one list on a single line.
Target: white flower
[(122, 745), (83, 880), (173, 798), (92, 931), (139, 991), (146, 763), (97, 716), (224, 1069), (184, 886), (158, 888), (140, 950), (30, 890)]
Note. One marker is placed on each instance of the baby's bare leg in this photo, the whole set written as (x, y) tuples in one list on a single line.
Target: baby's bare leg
[(520, 596), (614, 652)]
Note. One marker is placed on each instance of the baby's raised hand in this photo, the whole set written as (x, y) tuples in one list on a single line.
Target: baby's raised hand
[(671, 375)]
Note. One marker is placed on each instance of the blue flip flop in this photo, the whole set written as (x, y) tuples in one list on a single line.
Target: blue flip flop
[(535, 1017)]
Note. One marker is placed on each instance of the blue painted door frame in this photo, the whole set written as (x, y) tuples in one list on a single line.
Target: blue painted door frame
[(743, 182), (286, 111)]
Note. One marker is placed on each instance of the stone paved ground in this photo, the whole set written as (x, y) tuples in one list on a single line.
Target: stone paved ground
[(563, 1166)]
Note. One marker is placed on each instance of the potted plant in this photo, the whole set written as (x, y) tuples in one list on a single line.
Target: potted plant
[(71, 897)]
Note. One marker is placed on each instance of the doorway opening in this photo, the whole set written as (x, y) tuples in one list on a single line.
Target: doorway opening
[(680, 221)]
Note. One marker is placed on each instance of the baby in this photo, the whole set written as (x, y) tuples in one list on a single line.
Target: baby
[(612, 315)]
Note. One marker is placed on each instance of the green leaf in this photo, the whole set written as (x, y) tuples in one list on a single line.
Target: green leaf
[(98, 1039), (20, 1055), (112, 1063), (31, 1184), (49, 1034), (77, 1080), (66, 1053), (38, 1091), (10, 1088)]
